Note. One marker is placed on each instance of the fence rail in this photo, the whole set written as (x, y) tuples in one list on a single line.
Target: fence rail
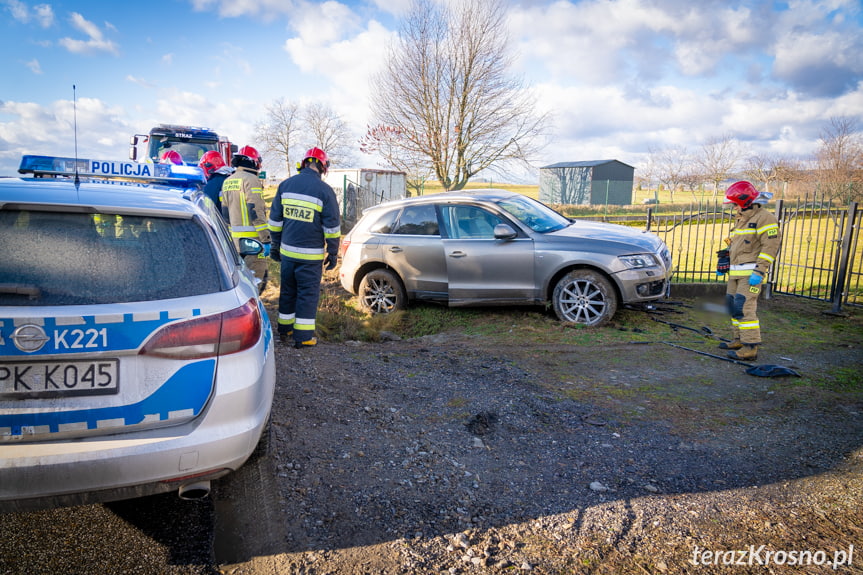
[(821, 255)]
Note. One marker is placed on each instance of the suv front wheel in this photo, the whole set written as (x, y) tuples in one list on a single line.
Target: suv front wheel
[(585, 297), (381, 291)]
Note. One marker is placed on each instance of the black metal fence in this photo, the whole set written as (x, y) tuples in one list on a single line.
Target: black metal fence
[(821, 255)]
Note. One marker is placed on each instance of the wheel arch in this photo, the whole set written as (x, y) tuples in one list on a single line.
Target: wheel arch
[(371, 266)]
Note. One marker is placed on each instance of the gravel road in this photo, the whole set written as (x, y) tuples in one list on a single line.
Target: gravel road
[(468, 454), (446, 454)]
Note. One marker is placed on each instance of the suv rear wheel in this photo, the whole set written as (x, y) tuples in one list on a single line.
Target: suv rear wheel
[(586, 297), (381, 291)]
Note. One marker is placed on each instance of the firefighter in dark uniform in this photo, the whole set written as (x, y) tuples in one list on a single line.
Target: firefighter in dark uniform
[(753, 246), (215, 171), (243, 200), (305, 229)]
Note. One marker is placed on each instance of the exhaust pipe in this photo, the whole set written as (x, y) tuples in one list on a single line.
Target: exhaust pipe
[(194, 491)]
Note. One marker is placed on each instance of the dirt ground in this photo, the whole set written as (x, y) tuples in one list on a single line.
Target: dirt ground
[(459, 453)]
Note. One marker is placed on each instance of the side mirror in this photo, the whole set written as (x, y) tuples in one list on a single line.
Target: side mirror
[(504, 232), (250, 247)]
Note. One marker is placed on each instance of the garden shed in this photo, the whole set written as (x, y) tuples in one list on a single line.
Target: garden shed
[(597, 182)]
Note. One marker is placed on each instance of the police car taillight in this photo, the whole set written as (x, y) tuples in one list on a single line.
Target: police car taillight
[(222, 334)]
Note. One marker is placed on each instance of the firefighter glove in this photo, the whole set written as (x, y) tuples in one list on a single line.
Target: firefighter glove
[(755, 279), (723, 262), (330, 262), (275, 255)]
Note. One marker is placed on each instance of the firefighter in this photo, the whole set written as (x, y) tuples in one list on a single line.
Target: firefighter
[(243, 202), (215, 172), (752, 245), (305, 229)]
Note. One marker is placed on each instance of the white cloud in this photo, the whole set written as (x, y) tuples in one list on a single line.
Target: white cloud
[(49, 130), (265, 9), (96, 42), (34, 66), (346, 55), (140, 81), (19, 10), (43, 14)]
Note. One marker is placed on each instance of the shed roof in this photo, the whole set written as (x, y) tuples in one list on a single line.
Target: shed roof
[(585, 164)]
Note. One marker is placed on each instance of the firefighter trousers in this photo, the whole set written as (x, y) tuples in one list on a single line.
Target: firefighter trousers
[(298, 298), (742, 301)]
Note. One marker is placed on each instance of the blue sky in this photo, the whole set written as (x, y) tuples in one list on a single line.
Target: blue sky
[(619, 76)]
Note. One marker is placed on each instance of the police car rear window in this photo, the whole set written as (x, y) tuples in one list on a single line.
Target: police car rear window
[(52, 258)]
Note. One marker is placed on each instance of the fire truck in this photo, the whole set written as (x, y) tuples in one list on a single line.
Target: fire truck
[(190, 141)]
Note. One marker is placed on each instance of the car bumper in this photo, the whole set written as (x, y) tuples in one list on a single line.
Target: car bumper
[(643, 285), (37, 475)]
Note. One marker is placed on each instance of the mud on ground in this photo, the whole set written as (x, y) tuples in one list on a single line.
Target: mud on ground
[(468, 454)]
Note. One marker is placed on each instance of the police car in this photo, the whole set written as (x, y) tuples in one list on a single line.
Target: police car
[(135, 354)]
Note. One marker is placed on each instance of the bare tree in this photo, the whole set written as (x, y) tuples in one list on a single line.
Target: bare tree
[(447, 97), (288, 130), (672, 166), (840, 160), (718, 158), (328, 131), (278, 133), (771, 170)]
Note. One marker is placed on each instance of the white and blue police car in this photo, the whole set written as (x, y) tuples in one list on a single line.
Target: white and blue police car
[(136, 356)]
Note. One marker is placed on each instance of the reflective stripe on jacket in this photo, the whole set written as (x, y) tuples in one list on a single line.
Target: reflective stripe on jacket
[(242, 196), (304, 218), (755, 240)]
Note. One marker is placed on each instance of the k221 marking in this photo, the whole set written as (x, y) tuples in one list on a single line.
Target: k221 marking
[(81, 338)]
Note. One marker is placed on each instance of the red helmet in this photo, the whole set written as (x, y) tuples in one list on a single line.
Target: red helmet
[(171, 157), (320, 156), (250, 154), (742, 194), (210, 162)]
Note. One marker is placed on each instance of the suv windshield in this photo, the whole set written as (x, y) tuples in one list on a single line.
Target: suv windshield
[(54, 258), (535, 215)]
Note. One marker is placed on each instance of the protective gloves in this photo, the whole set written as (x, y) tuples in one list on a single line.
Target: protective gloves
[(275, 255), (330, 262), (266, 250), (755, 279)]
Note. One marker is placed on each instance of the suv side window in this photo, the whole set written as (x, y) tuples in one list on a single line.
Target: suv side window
[(384, 224), (418, 221), (469, 222)]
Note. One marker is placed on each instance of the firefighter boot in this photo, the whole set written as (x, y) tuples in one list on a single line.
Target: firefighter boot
[(748, 352), (306, 344), (733, 344)]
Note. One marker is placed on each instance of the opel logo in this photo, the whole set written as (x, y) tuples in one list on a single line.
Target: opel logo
[(29, 338)]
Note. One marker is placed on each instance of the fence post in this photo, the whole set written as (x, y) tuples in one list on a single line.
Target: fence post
[(838, 292), (779, 213)]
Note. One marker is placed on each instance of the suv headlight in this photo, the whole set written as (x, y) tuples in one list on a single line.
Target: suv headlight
[(638, 261)]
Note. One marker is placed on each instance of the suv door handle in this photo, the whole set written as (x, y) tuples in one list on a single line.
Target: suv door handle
[(395, 249), (458, 254)]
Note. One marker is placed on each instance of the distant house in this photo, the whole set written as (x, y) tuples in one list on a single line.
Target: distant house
[(597, 182)]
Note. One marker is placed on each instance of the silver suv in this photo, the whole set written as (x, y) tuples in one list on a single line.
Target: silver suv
[(135, 354), (494, 247)]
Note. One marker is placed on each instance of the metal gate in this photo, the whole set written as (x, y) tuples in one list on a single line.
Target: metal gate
[(820, 255)]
